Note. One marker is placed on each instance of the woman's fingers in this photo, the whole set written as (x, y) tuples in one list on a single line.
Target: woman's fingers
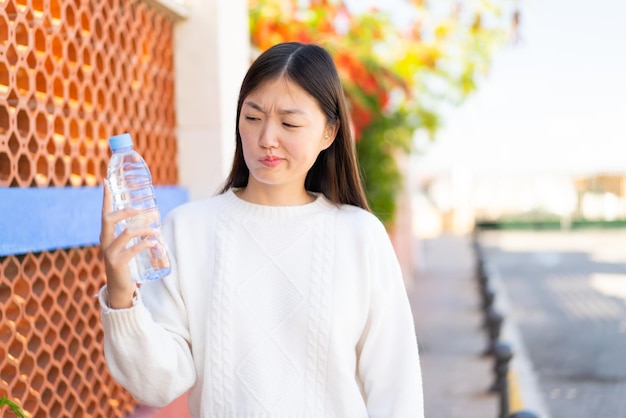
[(110, 218), (107, 231), (107, 200), (119, 248), (106, 235), (117, 255)]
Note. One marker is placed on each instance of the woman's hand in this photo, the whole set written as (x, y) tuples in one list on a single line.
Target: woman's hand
[(117, 253)]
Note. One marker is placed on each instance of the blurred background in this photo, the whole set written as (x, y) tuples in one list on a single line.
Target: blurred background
[(490, 134), (541, 143)]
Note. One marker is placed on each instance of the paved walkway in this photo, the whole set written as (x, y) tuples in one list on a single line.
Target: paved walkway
[(446, 304), (566, 294)]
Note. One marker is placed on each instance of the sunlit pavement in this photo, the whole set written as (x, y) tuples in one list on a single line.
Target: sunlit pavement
[(448, 319), (566, 292)]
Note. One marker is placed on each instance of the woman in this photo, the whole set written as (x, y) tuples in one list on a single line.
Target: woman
[(286, 298)]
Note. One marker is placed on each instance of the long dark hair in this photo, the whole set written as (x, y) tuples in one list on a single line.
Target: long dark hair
[(335, 173)]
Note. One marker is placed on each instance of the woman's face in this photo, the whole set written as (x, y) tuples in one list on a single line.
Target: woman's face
[(282, 130)]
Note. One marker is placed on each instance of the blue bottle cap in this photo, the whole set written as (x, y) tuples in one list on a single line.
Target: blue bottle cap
[(120, 141)]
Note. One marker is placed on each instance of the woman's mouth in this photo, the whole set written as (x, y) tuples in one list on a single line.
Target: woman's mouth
[(271, 161)]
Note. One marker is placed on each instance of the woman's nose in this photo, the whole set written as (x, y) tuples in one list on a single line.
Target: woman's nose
[(268, 137)]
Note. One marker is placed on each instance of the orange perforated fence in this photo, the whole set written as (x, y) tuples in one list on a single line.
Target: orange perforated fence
[(51, 340), (73, 73)]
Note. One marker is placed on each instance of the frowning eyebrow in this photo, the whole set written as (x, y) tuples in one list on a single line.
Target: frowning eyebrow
[(293, 111)]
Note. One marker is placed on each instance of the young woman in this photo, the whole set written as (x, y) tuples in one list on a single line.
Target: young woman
[(286, 298)]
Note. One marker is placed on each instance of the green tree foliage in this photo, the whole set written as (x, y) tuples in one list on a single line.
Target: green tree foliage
[(396, 75)]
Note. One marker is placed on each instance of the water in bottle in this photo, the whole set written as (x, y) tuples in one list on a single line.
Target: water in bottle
[(131, 186)]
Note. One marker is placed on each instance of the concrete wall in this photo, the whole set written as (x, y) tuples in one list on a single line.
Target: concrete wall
[(212, 54)]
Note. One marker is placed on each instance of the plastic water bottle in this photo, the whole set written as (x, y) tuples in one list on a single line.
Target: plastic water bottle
[(131, 186)]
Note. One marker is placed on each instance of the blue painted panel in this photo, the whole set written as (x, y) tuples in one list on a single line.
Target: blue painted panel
[(40, 219)]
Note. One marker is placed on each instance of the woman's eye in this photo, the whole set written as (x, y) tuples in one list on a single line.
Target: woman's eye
[(290, 125), (252, 118)]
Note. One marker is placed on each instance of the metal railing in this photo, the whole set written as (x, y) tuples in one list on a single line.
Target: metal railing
[(501, 351)]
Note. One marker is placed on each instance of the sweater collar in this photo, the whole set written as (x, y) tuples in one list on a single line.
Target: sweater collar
[(321, 203)]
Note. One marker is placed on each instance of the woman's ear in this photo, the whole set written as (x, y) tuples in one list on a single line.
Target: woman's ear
[(330, 133)]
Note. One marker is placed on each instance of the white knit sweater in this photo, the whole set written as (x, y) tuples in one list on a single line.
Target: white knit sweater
[(297, 311)]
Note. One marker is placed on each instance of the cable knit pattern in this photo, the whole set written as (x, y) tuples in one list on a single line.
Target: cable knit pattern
[(221, 331), (319, 316), (295, 311), (272, 297)]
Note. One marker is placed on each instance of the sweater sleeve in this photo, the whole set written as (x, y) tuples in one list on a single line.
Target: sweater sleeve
[(147, 346), (388, 357)]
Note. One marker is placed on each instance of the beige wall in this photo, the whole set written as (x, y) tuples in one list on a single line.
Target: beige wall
[(211, 56)]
